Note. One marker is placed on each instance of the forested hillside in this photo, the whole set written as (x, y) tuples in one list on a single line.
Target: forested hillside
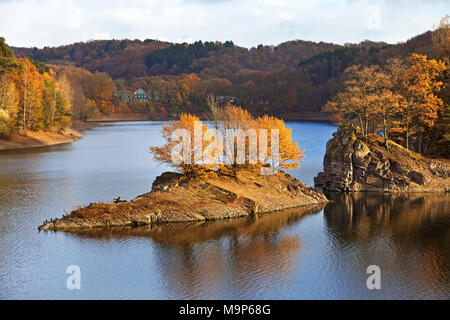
[(119, 58), (293, 77), (31, 96), (289, 79)]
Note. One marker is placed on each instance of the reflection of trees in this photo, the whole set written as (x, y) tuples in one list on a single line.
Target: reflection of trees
[(365, 215), (414, 229), (202, 259)]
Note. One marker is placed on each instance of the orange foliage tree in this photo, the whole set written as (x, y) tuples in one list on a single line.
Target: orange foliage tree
[(356, 101), (417, 81), (210, 155), (401, 97), (164, 154)]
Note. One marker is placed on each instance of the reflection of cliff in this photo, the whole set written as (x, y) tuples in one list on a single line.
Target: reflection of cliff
[(409, 230), (364, 215), (245, 255)]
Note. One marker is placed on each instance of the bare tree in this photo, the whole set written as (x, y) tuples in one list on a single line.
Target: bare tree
[(214, 109)]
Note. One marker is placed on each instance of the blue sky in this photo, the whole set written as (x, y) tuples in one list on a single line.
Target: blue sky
[(246, 22)]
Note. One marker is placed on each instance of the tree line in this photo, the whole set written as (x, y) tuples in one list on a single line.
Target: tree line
[(34, 96), (293, 77), (31, 98)]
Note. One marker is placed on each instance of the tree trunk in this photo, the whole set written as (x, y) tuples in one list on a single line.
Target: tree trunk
[(30, 109), (53, 106), (361, 124), (407, 135), (367, 127), (420, 142), (385, 134), (3, 83), (25, 97)]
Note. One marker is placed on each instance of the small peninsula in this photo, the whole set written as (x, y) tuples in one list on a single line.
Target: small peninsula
[(177, 197)]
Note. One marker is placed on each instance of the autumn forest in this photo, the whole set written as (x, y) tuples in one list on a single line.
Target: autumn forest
[(400, 90)]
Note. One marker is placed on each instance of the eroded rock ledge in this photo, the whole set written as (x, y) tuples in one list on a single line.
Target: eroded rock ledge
[(178, 198), (351, 164)]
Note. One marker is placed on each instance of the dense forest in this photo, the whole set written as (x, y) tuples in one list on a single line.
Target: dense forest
[(293, 77), (31, 97), (288, 79), (37, 96)]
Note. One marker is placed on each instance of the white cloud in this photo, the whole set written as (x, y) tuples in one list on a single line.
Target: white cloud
[(246, 22)]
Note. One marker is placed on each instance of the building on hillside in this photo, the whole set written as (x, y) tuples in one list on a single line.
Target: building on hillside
[(221, 100), (140, 95)]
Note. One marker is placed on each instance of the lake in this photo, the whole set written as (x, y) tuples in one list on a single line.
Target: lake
[(297, 254)]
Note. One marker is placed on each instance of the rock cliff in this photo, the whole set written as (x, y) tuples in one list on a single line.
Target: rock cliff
[(179, 198), (352, 164)]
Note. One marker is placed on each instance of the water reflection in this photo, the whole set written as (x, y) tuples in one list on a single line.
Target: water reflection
[(357, 216), (213, 259), (290, 255), (407, 235)]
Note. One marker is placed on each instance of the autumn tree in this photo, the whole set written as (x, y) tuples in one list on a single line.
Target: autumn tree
[(290, 154), (357, 99), (214, 109), (232, 146), (425, 84), (403, 96), (417, 81), (29, 84), (163, 154), (100, 90), (30, 96), (386, 103), (441, 45), (57, 110)]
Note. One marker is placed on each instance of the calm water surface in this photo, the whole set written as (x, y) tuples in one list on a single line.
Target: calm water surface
[(297, 254)]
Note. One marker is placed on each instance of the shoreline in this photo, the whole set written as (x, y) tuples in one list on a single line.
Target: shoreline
[(37, 139), (306, 116)]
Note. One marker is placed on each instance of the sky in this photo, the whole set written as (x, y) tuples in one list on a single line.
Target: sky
[(29, 23)]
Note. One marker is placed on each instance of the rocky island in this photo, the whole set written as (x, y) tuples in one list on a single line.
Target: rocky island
[(352, 164), (177, 197)]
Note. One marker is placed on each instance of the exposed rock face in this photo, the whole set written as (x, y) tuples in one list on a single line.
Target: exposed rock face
[(178, 198), (351, 164)]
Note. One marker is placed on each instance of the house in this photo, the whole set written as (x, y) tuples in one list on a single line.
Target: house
[(221, 100), (137, 96), (140, 95)]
